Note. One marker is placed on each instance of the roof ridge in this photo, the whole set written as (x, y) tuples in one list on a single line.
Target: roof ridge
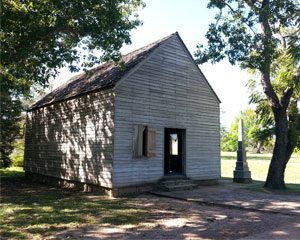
[(152, 43), (103, 75)]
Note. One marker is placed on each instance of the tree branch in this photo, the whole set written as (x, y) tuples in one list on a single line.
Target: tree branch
[(292, 34), (229, 6), (282, 38), (266, 66), (68, 29), (285, 100), (234, 12), (251, 4), (269, 90)]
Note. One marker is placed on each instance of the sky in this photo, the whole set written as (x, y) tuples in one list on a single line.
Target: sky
[(190, 18)]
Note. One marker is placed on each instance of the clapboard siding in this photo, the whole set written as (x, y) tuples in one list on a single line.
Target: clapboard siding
[(167, 91), (90, 138), (73, 139)]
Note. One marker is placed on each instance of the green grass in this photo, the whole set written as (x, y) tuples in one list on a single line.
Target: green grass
[(257, 186), (32, 211), (258, 165), (12, 172)]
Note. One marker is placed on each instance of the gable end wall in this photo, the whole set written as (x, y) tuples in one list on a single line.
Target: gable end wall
[(167, 91)]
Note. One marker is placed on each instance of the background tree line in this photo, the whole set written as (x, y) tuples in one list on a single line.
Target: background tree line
[(256, 139)]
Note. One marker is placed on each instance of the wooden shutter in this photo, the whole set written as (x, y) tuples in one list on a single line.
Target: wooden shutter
[(138, 140), (151, 142)]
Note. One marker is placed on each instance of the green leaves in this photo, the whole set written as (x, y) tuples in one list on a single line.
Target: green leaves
[(256, 134), (229, 37), (262, 36), (39, 37), (237, 33), (10, 118)]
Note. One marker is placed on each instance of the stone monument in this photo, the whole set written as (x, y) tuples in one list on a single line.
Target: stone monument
[(241, 174)]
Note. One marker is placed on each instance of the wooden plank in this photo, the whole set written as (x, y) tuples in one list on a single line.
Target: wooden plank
[(167, 91), (73, 140)]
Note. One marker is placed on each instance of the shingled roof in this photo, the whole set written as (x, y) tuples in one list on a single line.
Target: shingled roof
[(103, 76)]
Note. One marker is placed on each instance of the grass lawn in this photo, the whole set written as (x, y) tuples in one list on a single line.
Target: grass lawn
[(32, 211), (12, 172), (258, 165)]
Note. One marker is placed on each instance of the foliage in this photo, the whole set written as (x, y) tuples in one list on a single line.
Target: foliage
[(17, 156), (263, 36), (10, 111), (265, 117), (236, 34), (252, 133), (40, 37)]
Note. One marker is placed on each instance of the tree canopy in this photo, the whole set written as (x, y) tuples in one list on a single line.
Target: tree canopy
[(256, 135), (40, 37)]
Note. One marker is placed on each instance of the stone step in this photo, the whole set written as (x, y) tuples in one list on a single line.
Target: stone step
[(176, 184), (178, 187), (174, 177)]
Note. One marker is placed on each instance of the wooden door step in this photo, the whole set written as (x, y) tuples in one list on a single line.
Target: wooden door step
[(175, 184)]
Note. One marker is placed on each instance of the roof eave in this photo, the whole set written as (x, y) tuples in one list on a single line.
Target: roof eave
[(70, 98)]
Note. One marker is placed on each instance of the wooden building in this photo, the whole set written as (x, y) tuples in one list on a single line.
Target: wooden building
[(126, 127)]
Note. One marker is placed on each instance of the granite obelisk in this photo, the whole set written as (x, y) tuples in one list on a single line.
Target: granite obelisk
[(241, 174)]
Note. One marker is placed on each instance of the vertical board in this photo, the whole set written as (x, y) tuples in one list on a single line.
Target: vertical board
[(151, 142), (138, 141)]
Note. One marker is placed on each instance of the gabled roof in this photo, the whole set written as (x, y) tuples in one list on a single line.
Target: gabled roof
[(105, 75)]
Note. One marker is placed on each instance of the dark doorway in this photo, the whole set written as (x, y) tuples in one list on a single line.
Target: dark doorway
[(173, 151)]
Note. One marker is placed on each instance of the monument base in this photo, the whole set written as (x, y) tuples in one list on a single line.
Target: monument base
[(242, 176), (242, 180)]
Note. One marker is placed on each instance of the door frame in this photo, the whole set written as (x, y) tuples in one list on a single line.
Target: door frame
[(183, 146)]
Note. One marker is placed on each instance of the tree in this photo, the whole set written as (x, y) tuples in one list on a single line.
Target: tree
[(39, 37), (10, 117), (255, 34), (252, 132)]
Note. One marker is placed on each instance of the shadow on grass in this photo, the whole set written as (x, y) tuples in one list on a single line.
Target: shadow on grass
[(258, 186), (32, 210), (250, 157), (290, 188)]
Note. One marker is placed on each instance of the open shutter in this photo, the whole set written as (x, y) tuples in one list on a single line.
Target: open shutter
[(151, 142), (138, 140)]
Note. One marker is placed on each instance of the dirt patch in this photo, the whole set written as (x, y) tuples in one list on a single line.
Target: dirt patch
[(37, 211), (234, 196), (175, 219)]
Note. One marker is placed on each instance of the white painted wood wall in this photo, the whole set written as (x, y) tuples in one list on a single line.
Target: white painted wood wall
[(167, 91), (89, 138), (73, 139)]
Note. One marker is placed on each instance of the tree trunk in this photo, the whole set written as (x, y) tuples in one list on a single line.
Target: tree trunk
[(259, 147), (281, 156)]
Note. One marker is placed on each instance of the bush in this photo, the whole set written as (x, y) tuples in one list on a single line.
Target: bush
[(17, 156)]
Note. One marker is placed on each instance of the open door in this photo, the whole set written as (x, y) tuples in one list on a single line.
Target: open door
[(173, 151)]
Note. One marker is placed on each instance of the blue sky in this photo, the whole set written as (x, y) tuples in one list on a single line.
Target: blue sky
[(191, 19)]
